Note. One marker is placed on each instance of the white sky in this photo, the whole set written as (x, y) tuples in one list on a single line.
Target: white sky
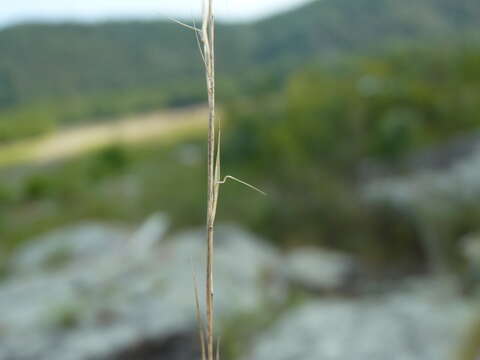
[(89, 10)]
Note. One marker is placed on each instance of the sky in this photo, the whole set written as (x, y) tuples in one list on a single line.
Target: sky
[(93, 10)]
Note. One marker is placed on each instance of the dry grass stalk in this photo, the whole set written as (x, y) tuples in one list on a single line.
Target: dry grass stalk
[(201, 329), (206, 37), (206, 41)]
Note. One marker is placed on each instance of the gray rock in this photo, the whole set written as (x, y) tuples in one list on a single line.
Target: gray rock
[(70, 243), (442, 189), (150, 234), (130, 296), (409, 325), (319, 270), (470, 248), (117, 291)]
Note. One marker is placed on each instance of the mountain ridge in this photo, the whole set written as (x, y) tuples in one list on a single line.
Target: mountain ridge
[(54, 62)]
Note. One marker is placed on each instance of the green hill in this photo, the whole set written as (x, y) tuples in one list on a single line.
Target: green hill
[(52, 74)]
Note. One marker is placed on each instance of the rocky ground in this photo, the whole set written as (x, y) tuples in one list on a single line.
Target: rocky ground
[(411, 324), (98, 291)]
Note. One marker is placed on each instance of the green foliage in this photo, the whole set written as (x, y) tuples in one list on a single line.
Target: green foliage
[(41, 117), (52, 75), (66, 316), (113, 183), (470, 348), (7, 91), (305, 144), (108, 161), (302, 143), (37, 187), (58, 259), (25, 121)]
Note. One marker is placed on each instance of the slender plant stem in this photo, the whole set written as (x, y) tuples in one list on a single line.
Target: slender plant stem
[(208, 38)]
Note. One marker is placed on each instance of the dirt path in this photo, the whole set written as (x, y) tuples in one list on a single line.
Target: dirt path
[(75, 141)]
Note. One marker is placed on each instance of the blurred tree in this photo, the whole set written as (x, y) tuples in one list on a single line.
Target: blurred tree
[(307, 141), (7, 91)]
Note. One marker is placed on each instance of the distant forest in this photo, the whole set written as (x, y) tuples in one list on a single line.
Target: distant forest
[(52, 75)]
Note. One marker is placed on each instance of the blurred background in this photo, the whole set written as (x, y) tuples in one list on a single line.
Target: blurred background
[(359, 118)]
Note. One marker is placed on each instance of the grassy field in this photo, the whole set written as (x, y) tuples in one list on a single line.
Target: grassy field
[(79, 140), (121, 171)]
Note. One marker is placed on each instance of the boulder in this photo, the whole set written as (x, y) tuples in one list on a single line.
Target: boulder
[(118, 293), (319, 271), (71, 243), (412, 324)]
